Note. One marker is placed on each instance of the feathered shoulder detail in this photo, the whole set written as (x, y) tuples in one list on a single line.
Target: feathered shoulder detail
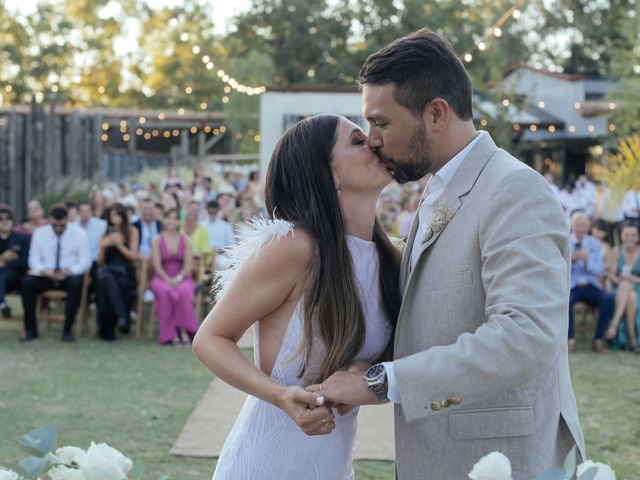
[(248, 243)]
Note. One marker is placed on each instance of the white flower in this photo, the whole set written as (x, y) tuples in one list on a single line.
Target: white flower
[(494, 466), (605, 472), (69, 455), (62, 472), (8, 474), (102, 462)]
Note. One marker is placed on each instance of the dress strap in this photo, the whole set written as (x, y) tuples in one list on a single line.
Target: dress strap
[(248, 243)]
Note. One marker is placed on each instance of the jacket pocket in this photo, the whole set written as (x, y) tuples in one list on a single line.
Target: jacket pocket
[(461, 278), (492, 423)]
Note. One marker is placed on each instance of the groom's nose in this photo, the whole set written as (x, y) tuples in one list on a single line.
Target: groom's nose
[(375, 139)]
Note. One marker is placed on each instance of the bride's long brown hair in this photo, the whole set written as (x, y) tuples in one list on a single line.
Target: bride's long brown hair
[(300, 189)]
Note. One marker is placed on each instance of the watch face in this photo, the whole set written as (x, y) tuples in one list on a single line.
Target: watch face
[(374, 371)]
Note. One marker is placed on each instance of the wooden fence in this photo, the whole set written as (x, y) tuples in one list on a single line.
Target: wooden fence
[(41, 148)]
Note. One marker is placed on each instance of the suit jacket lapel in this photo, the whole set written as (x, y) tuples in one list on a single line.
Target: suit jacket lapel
[(461, 184), (406, 254)]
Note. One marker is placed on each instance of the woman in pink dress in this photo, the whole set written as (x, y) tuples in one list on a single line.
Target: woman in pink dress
[(172, 285)]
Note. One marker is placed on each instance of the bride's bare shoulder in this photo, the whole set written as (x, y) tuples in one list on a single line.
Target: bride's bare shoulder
[(296, 249)]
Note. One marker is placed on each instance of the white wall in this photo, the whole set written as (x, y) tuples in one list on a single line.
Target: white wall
[(277, 109)]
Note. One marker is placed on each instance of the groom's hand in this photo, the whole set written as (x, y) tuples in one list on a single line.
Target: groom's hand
[(347, 388), (307, 409)]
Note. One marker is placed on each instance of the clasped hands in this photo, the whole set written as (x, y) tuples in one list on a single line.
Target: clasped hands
[(312, 408)]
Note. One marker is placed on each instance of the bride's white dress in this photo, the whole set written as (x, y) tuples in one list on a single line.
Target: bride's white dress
[(264, 442)]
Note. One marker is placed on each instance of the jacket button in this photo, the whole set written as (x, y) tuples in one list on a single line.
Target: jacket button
[(445, 403), (456, 400), (436, 406)]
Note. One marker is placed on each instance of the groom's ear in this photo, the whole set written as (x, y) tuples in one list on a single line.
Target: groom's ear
[(437, 115)]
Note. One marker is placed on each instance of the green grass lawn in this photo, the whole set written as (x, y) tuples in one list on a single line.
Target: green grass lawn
[(136, 396)]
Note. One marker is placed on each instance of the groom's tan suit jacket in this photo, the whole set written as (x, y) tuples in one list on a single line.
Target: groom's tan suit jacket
[(481, 342)]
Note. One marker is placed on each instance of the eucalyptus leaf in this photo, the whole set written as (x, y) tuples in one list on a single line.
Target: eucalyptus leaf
[(570, 462), (137, 470), (163, 477), (589, 474), (41, 439), (33, 466), (555, 474)]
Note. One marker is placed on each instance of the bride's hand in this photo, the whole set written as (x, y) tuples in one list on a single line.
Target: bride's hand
[(307, 410)]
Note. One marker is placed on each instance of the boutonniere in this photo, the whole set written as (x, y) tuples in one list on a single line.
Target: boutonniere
[(440, 218)]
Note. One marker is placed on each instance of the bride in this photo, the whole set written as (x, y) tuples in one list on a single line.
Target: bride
[(319, 282)]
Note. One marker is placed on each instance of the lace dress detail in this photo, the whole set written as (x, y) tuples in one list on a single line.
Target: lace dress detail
[(264, 443)]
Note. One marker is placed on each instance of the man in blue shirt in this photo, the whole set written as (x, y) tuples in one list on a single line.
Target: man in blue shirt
[(587, 265), (148, 227)]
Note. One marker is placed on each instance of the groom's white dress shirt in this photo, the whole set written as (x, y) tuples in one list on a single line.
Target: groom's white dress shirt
[(432, 194)]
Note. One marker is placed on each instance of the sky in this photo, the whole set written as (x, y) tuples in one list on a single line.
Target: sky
[(222, 8)]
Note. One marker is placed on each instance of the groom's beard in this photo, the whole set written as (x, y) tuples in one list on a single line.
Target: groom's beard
[(417, 164)]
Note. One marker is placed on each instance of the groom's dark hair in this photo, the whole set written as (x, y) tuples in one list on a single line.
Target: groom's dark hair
[(422, 66)]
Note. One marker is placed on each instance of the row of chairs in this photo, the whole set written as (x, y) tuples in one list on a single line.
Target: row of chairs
[(49, 300)]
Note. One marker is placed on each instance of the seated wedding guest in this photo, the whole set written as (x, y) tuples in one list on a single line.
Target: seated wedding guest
[(631, 205), (148, 227), (601, 231), (98, 203), (14, 254), (158, 211), (35, 219), (72, 211), (116, 273), (59, 256), (172, 180), (197, 233), (220, 231), (172, 285), (549, 178), (587, 265), (586, 191), (210, 193), (569, 199), (624, 272), (95, 228)]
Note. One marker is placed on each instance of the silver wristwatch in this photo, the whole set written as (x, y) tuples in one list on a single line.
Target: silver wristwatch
[(374, 377)]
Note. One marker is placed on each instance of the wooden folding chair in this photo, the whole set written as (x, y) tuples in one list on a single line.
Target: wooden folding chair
[(53, 296), (142, 275), (584, 318)]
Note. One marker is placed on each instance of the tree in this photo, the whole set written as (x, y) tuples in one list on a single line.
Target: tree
[(306, 40)]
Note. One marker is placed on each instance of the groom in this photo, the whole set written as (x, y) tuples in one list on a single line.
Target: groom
[(480, 359)]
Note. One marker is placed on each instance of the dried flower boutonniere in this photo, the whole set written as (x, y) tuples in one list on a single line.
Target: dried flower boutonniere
[(440, 218)]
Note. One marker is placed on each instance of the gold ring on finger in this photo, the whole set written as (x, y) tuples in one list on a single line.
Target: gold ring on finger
[(324, 422)]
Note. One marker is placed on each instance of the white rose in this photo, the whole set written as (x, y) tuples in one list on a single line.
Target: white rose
[(102, 462), (494, 466), (69, 455), (605, 472), (62, 472), (8, 474)]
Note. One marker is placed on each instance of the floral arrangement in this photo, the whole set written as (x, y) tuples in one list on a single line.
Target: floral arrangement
[(496, 466), (99, 462)]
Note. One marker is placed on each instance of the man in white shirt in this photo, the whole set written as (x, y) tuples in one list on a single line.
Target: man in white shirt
[(220, 234), (631, 205), (148, 227), (58, 258), (94, 226)]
